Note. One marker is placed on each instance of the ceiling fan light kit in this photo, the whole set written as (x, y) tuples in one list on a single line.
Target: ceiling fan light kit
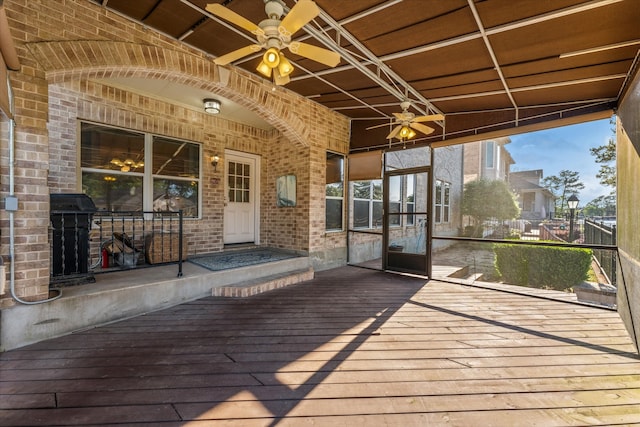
[(274, 34), (406, 133), (284, 67), (271, 57), (264, 69)]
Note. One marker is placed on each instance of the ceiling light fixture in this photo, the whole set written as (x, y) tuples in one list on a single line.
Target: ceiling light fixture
[(211, 106), (127, 164)]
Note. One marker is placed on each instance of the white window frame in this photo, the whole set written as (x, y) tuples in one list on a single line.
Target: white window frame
[(147, 176), (371, 201)]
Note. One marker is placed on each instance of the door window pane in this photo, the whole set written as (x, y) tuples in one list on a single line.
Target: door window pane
[(239, 182)]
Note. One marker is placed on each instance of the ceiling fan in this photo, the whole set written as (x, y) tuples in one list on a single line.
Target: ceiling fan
[(274, 35), (406, 122)]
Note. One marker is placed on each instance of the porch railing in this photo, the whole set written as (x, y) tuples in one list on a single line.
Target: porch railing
[(600, 233), (84, 244)]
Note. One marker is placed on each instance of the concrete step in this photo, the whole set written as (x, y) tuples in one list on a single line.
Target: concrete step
[(123, 294), (259, 285)]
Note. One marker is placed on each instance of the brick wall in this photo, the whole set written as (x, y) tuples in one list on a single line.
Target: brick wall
[(65, 45)]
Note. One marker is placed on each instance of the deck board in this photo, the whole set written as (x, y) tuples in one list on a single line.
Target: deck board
[(353, 347)]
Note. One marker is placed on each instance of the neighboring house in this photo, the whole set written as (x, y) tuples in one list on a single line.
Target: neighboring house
[(535, 201), (488, 159)]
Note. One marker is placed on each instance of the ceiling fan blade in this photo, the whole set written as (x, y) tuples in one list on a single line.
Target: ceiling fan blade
[(421, 128), (394, 132), (315, 53), (400, 116), (237, 54), (299, 15), (382, 125), (230, 16), (431, 118)]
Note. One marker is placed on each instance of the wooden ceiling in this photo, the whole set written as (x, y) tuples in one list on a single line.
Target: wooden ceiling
[(487, 65)]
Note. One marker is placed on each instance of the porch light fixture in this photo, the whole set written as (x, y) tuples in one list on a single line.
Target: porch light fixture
[(211, 106), (214, 162)]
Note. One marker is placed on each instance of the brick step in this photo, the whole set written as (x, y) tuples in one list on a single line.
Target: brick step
[(263, 284)]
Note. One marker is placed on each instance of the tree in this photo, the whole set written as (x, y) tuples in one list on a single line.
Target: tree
[(485, 199), (606, 156), (601, 206), (562, 186)]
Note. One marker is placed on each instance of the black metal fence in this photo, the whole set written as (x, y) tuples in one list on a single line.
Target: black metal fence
[(602, 233), (85, 243)]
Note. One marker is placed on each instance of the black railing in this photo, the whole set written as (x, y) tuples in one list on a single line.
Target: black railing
[(85, 243), (601, 233)]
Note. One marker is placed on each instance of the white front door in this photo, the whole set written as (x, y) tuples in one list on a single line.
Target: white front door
[(241, 200)]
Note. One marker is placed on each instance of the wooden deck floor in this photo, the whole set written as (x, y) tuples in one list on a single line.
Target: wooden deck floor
[(353, 347)]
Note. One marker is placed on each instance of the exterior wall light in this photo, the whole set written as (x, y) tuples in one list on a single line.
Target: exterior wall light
[(211, 106), (214, 162)]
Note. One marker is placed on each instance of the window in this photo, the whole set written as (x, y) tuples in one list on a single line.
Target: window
[(367, 204), (529, 202), (176, 173), (489, 149), (130, 171), (442, 202), (334, 191)]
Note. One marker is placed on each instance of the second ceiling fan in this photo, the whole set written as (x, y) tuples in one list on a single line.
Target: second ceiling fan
[(274, 34), (406, 122)]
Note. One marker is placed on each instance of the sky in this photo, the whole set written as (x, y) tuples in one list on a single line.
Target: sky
[(563, 148)]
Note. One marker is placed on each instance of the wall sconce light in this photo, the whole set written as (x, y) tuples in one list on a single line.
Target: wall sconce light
[(211, 106), (214, 162)]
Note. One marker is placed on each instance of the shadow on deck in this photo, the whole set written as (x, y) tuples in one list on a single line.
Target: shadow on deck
[(351, 347)]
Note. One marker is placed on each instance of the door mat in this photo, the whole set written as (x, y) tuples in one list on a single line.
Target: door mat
[(241, 258)]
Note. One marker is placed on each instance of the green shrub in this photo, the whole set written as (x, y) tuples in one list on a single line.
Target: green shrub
[(542, 266)]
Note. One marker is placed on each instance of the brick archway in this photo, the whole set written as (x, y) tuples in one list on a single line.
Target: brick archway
[(77, 59)]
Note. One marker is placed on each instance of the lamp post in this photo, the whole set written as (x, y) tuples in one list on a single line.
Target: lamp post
[(573, 204)]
